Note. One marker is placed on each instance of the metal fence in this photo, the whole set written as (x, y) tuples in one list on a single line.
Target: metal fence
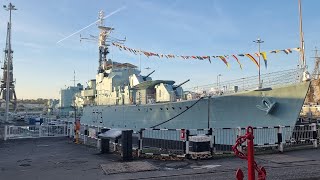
[(35, 131), (177, 142), (161, 141), (169, 141)]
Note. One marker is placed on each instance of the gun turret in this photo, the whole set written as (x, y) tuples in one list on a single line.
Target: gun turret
[(145, 77), (181, 84)]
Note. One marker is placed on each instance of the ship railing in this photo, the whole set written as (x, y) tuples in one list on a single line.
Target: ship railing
[(274, 79)]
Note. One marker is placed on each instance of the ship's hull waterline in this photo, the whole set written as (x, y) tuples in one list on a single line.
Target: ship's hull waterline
[(227, 111)]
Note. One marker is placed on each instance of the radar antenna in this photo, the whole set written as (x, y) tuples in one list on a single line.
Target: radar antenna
[(104, 39)]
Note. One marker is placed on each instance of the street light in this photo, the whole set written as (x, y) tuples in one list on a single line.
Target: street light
[(218, 81), (259, 41), (243, 83)]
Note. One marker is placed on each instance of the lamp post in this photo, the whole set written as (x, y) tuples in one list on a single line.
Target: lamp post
[(218, 80), (259, 41), (243, 83)]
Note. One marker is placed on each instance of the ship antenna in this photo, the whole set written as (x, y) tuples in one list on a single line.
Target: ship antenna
[(74, 78)]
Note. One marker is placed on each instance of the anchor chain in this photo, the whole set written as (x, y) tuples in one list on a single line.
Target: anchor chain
[(240, 140)]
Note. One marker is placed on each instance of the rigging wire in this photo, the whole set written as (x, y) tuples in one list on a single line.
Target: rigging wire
[(177, 114)]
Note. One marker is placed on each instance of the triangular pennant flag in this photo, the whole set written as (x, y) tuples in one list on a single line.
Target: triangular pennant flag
[(241, 55), (224, 60), (209, 59), (264, 56), (146, 53), (235, 57), (253, 60), (285, 51), (297, 49), (199, 57)]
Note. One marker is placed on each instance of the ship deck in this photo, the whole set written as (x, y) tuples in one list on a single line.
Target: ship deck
[(60, 158)]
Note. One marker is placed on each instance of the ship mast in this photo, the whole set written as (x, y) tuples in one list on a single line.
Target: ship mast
[(102, 40)]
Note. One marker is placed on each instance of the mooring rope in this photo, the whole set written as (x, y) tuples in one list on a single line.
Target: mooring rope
[(178, 114)]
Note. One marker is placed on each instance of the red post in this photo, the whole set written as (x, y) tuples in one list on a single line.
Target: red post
[(250, 154), (183, 134)]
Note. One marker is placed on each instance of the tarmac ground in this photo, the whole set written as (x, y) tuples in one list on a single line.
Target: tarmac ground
[(60, 158)]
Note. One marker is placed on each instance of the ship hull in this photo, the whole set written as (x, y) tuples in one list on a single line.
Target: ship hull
[(259, 108)]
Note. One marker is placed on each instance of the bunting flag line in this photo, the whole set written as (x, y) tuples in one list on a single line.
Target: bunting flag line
[(253, 60), (235, 57), (224, 60), (264, 56), (209, 57)]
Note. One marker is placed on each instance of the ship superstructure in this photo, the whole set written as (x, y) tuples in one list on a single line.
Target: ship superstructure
[(121, 83)]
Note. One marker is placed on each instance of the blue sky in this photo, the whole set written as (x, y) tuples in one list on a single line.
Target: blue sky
[(183, 27)]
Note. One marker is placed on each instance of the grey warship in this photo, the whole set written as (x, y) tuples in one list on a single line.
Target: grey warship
[(120, 97)]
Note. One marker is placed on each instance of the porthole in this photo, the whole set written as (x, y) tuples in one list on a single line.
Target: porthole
[(180, 108), (172, 107), (150, 109), (161, 109), (167, 108), (138, 109)]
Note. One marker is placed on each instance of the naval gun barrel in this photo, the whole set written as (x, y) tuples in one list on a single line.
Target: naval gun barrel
[(181, 84), (145, 77)]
